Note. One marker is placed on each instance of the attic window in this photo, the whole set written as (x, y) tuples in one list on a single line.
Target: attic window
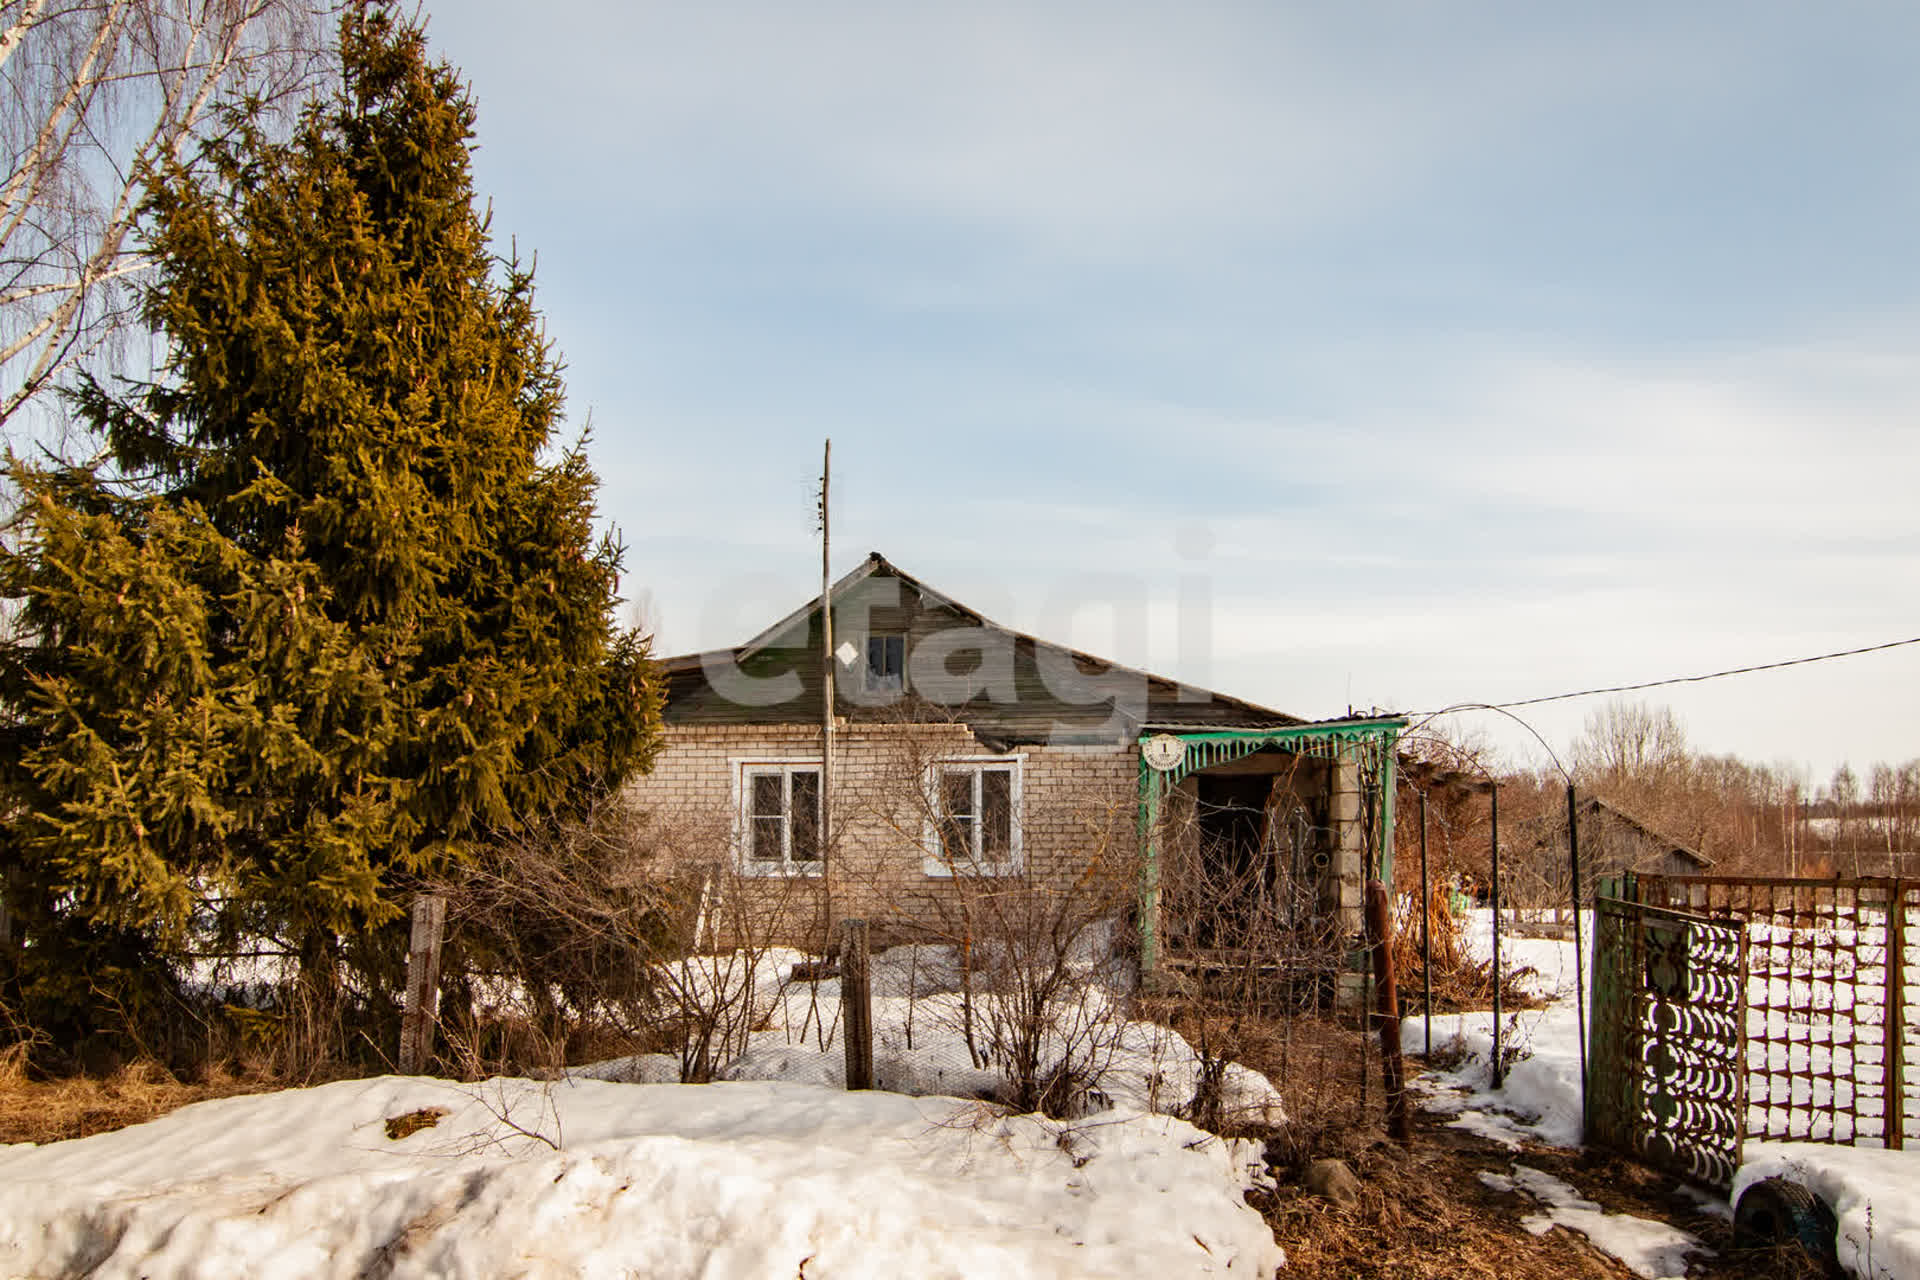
[(886, 663)]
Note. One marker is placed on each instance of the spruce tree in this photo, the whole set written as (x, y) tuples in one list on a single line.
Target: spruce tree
[(331, 609)]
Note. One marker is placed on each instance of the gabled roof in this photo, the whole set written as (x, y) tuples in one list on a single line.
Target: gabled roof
[(873, 564), (1595, 805), (801, 618), (1553, 829), (1164, 694)]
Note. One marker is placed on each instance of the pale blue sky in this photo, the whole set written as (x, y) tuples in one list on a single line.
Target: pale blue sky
[(1457, 352)]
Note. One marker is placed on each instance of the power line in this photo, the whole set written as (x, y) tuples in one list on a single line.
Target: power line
[(1711, 675)]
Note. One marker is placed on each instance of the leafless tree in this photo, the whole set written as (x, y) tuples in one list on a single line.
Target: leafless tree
[(97, 92), (1630, 743), (1845, 795)]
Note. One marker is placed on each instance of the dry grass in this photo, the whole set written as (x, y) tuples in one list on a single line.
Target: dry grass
[(1423, 1212), (412, 1122), (76, 1106), (1459, 981), (1422, 1215), (1425, 1215)]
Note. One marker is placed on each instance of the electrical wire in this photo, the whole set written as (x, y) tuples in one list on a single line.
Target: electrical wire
[(1711, 675), (1422, 718)]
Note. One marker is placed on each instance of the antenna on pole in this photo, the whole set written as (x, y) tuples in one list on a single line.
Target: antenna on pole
[(826, 685)]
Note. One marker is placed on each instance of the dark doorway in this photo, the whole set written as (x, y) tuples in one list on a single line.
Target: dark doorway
[(1232, 817), (1262, 849)]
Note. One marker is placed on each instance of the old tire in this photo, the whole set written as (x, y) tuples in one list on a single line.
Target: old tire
[(1777, 1211)]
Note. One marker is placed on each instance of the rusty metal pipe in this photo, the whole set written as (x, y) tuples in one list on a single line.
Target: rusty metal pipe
[(1387, 1014)]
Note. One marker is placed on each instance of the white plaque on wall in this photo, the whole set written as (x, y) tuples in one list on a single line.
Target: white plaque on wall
[(1164, 752)]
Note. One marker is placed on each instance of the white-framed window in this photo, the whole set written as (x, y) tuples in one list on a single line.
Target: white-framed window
[(778, 816), (975, 817)]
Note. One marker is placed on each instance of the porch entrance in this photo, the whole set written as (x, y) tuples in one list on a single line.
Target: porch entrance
[(1259, 850), (1261, 840)]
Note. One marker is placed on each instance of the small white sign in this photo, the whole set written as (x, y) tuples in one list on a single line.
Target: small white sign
[(1164, 752), (846, 653)]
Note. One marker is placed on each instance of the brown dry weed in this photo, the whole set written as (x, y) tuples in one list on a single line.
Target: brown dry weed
[(76, 1106), (1424, 1213)]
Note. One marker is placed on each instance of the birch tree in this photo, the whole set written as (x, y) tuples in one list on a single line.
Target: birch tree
[(97, 93)]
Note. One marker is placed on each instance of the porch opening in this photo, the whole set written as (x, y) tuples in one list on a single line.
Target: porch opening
[(1257, 845)]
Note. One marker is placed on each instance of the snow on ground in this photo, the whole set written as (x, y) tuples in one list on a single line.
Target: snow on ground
[(1540, 1100), (922, 1024), (584, 1177), (1875, 1194), (619, 1169)]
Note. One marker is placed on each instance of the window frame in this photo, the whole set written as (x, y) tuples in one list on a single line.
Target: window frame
[(934, 858), (870, 682), (745, 770)]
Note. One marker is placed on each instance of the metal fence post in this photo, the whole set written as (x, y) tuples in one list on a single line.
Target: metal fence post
[(1579, 941), (856, 1003), (1499, 1066), (423, 983), (1893, 1033)]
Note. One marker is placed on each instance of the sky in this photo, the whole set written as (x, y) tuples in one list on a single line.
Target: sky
[(1384, 355)]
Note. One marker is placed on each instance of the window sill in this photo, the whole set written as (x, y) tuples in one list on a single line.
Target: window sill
[(940, 869), (779, 870)]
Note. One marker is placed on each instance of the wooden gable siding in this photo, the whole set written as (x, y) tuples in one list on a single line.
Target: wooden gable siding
[(1046, 703)]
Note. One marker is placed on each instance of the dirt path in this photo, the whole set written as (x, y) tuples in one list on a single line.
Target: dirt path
[(1425, 1214)]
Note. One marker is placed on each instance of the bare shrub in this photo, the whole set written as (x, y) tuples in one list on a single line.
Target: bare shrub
[(627, 932), (711, 998), (1040, 1002), (1042, 996), (553, 934), (1253, 934)]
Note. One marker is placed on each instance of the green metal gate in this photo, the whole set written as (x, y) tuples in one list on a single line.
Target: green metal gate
[(1667, 1079)]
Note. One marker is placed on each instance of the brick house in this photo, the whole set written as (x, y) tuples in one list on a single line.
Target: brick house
[(967, 759)]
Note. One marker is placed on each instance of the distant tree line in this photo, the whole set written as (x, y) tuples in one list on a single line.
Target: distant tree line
[(1749, 818)]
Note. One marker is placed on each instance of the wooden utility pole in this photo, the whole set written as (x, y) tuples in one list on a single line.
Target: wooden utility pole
[(826, 686)]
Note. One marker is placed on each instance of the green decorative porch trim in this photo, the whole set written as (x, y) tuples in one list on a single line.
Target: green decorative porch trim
[(1370, 740)]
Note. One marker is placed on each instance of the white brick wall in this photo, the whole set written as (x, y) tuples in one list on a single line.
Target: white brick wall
[(1078, 828)]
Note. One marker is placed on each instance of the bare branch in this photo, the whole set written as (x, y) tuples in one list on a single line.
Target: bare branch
[(103, 92), (25, 21)]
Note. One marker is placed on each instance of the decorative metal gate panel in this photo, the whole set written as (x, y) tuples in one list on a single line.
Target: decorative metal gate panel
[(1668, 1071), (1833, 999)]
